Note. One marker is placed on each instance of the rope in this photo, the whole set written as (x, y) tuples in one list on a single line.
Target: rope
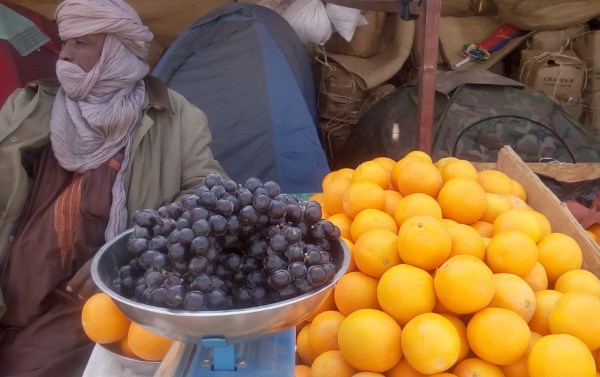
[(545, 57)]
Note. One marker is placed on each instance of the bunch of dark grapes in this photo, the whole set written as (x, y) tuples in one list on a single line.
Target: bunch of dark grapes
[(228, 247)]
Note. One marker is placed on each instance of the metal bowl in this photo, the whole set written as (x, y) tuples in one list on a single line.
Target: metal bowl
[(191, 327), (139, 366)]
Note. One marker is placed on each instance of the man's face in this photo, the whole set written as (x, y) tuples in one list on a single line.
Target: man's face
[(83, 51)]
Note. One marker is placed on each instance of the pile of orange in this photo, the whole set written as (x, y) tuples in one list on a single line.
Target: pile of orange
[(452, 274), (104, 323)]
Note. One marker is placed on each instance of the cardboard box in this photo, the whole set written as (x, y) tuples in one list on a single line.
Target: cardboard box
[(366, 41), (558, 75), (339, 94), (590, 117), (556, 40), (573, 107), (587, 48)]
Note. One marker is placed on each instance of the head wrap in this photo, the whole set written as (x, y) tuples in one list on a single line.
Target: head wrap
[(95, 114)]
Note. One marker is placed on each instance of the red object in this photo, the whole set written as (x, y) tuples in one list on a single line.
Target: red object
[(500, 37), (16, 70)]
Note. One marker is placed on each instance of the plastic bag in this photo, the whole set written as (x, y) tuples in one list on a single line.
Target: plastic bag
[(345, 20), (310, 21), (278, 6)]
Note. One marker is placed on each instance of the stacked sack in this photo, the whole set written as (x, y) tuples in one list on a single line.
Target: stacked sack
[(451, 272), (587, 48)]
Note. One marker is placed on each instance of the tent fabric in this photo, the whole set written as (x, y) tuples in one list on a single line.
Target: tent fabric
[(244, 66)]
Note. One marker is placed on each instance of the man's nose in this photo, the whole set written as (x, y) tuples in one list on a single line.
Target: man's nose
[(66, 54)]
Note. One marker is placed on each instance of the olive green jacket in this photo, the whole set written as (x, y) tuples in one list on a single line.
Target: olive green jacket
[(170, 154)]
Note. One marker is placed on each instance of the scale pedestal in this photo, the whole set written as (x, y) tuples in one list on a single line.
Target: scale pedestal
[(271, 355)]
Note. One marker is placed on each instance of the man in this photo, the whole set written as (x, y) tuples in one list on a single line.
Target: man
[(75, 160)]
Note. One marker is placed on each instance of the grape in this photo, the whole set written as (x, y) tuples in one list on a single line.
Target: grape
[(258, 249), (275, 221), (287, 292), (141, 232), (134, 265), (145, 219), (139, 246), (228, 241), (271, 231), (249, 264), (208, 199), (312, 213), (217, 282), (168, 226), (172, 281), (179, 267), (233, 225), (140, 281), (293, 235), (146, 259), (212, 254), (148, 272), (159, 244), (147, 296), (174, 296), (158, 296), (330, 270), (261, 203), (211, 269), (281, 279), (293, 201), (198, 265), (126, 271), (303, 286), (213, 179), (259, 295), (218, 225), (222, 272), (186, 236), (325, 257), (198, 213), (277, 210), (233, 262), (154, 279), (245, 197), (273, 188), (175, 211), (202, 283), (278, 243), (160, 262), (316, 232), (177, 253), (162, 212), (313, 258), (139, 293), (195, 301), (242, 297), (246, 229), (273, 263), (263, 219), (200, 246), (297, 270), (173, 238), (230, 186), (248, 215), (191, 202), (235, 202), (201, 228), (239, 277), (328, 229), (201, 190), (182, 199), (256, 278), (216, 300), (183, 223), (324, 244), (316, 275), (294, 253), (219, 192), (213, 241), (134, 215), (303, 228), (157, 230), (127, 286), (253, 183)]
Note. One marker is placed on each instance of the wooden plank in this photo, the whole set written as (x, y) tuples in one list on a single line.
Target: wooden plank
[(428, 26)]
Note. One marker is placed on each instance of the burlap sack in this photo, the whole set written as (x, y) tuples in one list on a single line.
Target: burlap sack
[(456, 8), (587, 47), (339, 94), (590, 117), (556, 40), (366, 41), (484, 8), (547, 14)]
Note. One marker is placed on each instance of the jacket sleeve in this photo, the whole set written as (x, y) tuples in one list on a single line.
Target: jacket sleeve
[(197, 158)]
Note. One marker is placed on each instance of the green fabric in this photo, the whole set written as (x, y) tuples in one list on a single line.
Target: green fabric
[(20, 31)]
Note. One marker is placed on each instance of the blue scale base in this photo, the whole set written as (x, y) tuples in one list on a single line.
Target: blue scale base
[(270, 355)]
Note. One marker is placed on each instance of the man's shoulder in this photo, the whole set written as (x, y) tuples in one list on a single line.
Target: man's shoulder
[(49, 86)]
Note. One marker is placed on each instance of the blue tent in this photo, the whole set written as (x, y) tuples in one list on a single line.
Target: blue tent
[(244, 66)]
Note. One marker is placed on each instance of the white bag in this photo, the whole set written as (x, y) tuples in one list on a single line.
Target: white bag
[(345, 20), (309, 19), (278, 6)]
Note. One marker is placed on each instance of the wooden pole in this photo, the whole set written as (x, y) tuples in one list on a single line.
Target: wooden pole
[(428, 26)]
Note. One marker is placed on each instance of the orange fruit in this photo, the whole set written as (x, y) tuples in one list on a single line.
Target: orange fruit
[(519, 220), (462, 200), (514, 294), (419, 177), (372, 172), (578, 281), (430, 343), (462, 334), (331, 364), (537, 278), (324, 214), (577, 314), (422, 155), (403, 369), (405, 292), (544, 303), (598, 360), (386, 163), (559, 253), (595, 228), (495, 182), (593, 235), (484, 229), (464, 284), (459, 169), (363, 195), (301, 371), (519, 369), (392, 199), (516, 202), (398, 167), (306, 353), (486, 242), (300, 326), (370, 219), (416, 205), (345, 173), (477, 368), (375, 252), (499, 336), (327, 305), (424, 242), (323, 333), (327, 179), (511, 252), (352, 267), (333, 195), (102, 321), (443, 161), (545, 228), (318, 197), (518, 190), (368, 374), (370, 340), (146, 345), (448, 223), (466, 241), (560, 356), (439, 308), (497, 205), (125, 349), (342, 221), (356, 291)]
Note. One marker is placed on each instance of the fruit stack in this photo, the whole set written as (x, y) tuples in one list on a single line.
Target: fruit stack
[(453, 274)]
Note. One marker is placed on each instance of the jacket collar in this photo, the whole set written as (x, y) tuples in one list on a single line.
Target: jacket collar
[(157, 94)]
